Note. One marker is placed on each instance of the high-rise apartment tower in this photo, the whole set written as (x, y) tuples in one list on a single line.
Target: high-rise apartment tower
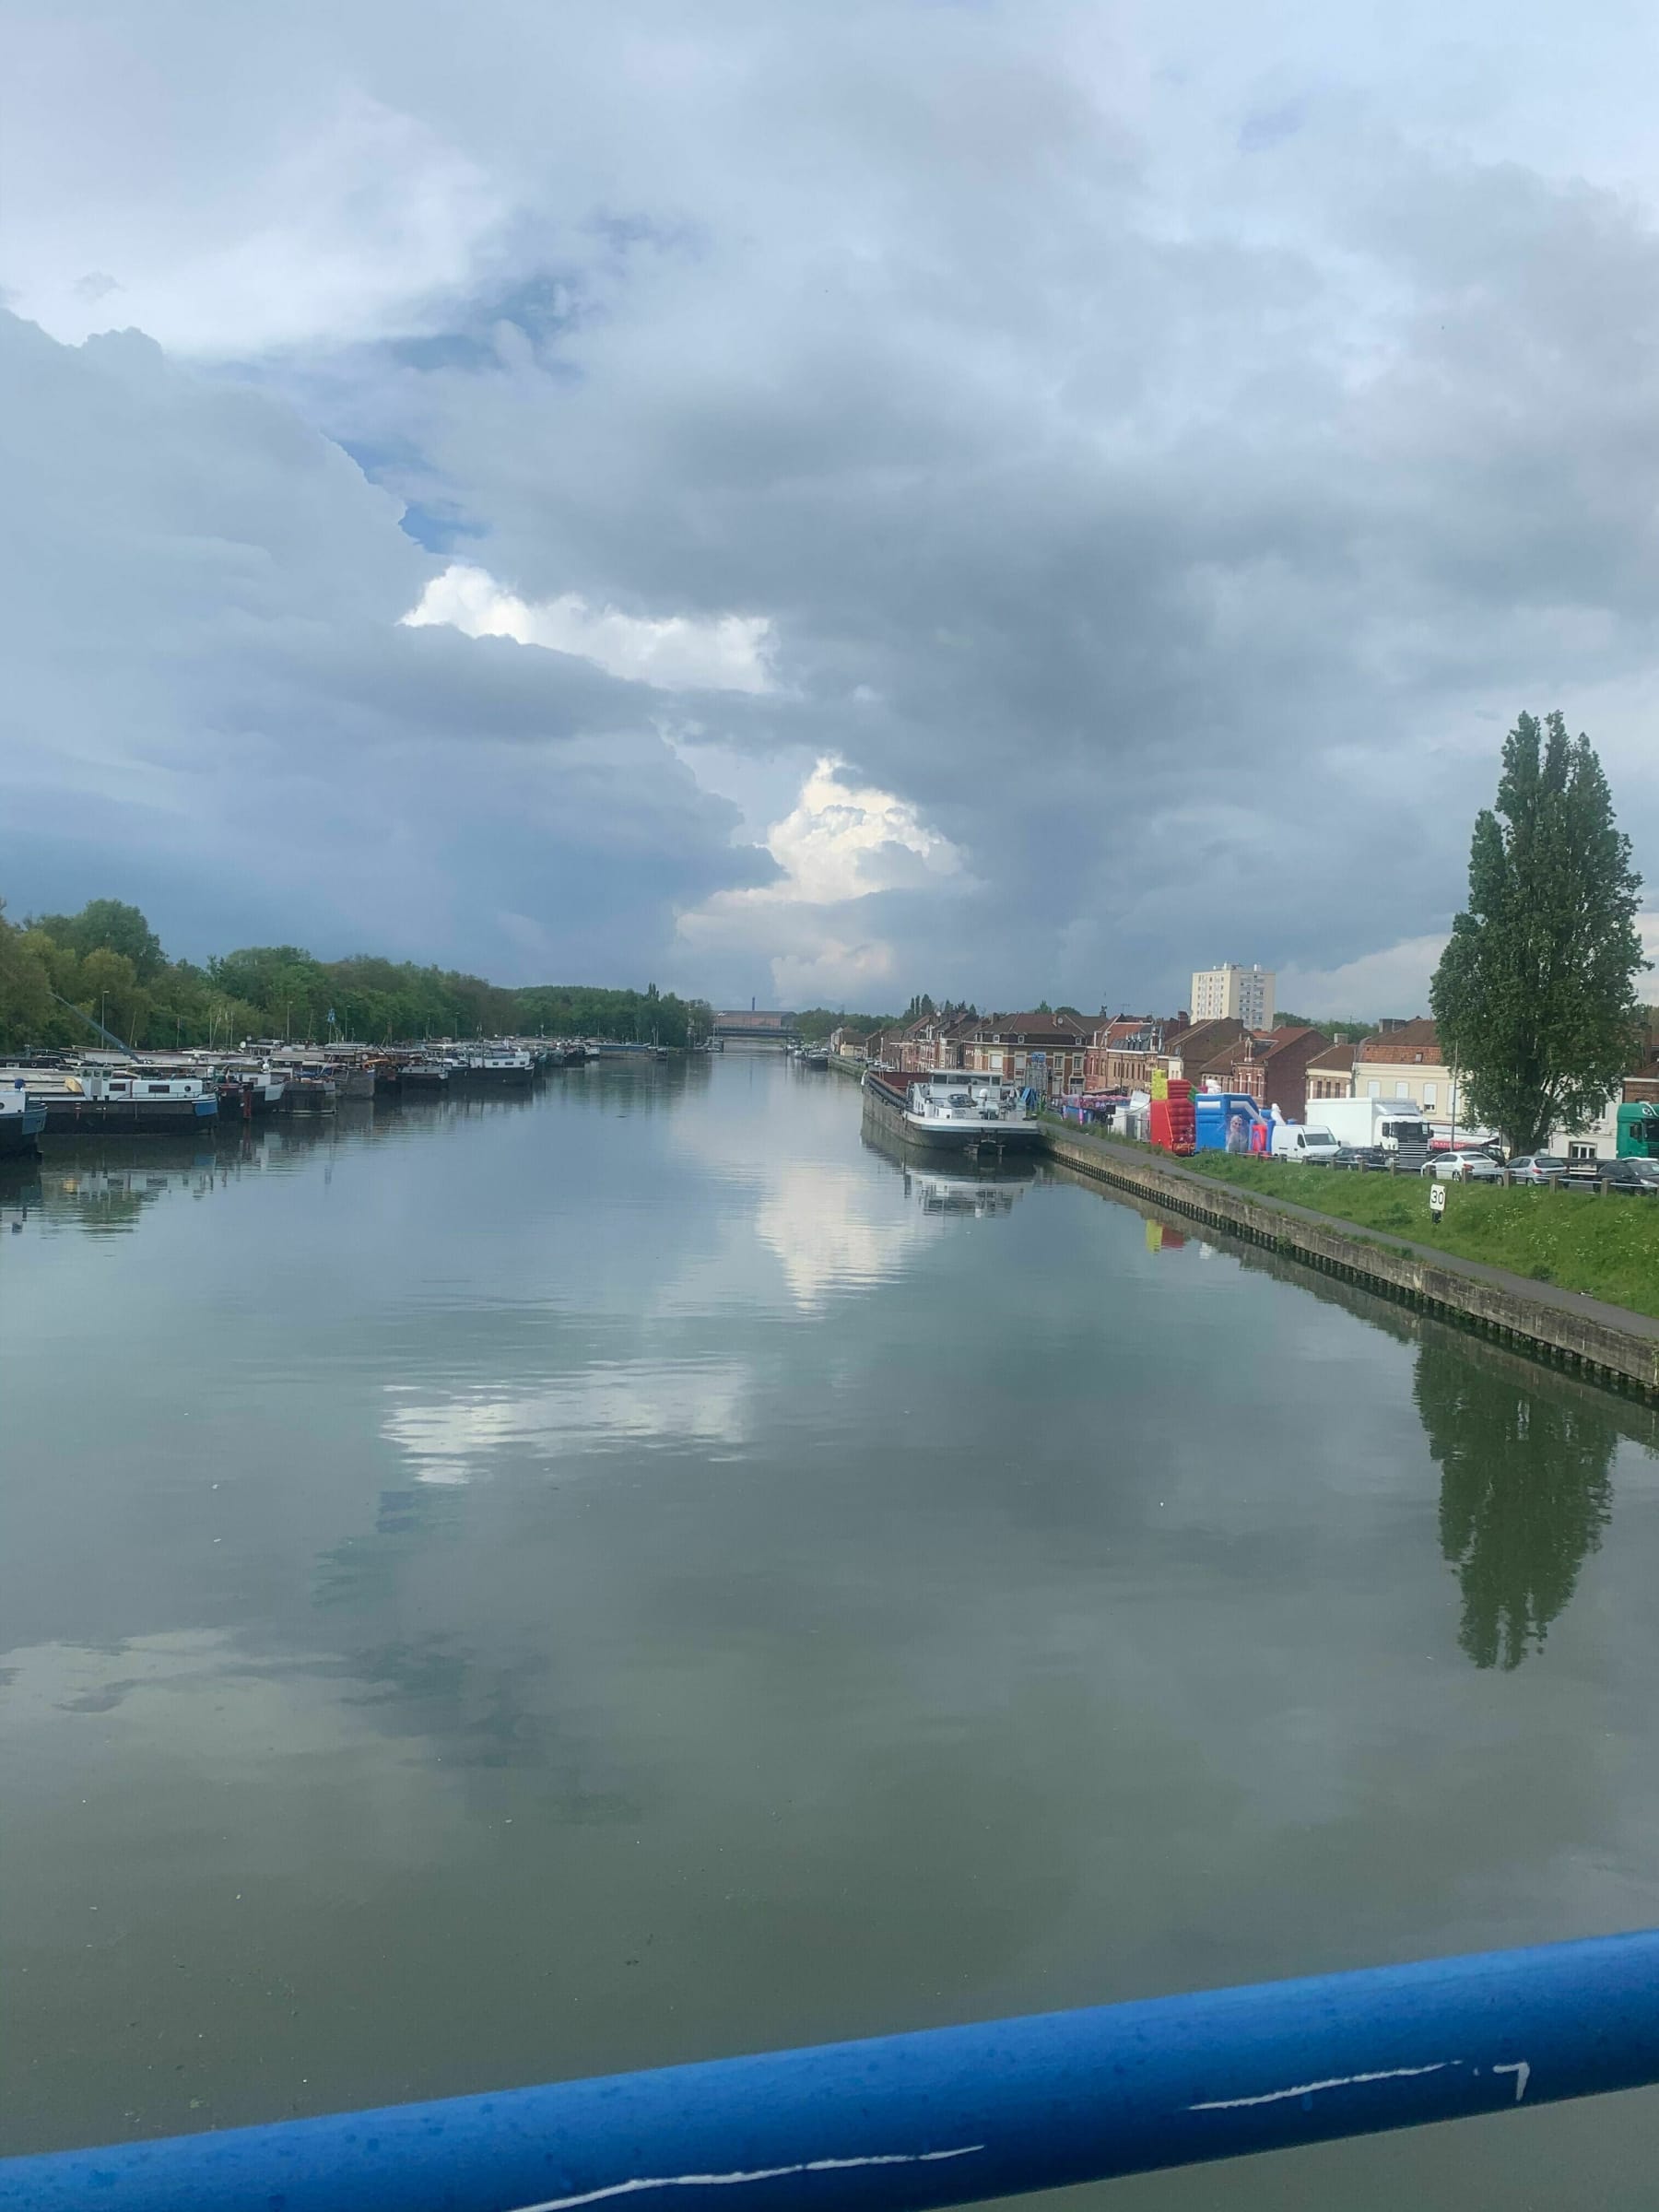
[(1230, 994)]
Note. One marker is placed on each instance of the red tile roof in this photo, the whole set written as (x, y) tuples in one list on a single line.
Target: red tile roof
[(1411, 1038)]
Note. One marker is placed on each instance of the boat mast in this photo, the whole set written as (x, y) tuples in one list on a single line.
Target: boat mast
[(109, 1036)]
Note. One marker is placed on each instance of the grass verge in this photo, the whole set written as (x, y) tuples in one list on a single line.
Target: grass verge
[(1606, 1246)]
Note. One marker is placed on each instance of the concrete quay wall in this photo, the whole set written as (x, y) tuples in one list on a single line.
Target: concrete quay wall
[(1582, 1333)]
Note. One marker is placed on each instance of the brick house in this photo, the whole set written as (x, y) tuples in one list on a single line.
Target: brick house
[(1331, 1072), (1186, 1053), (1043, 1050), (1269, 1066), (853, 1044), (1402, 1062), (1119, 1054), (932, 1041)]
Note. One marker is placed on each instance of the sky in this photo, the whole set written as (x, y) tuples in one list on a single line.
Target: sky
[(1000, 498)]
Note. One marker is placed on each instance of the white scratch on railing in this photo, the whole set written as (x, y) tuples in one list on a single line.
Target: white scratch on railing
[(763, 2173), (1308, 2088)]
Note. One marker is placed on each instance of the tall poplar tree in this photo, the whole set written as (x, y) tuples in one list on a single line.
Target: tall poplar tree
[(1535, 997)]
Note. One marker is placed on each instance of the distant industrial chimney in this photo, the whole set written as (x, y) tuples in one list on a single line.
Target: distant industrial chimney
[(752, 1006)]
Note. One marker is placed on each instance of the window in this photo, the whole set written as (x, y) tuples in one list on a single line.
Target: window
[(1402, 1089), (1581, 1151), (1373, 1089), (1428, 1094)]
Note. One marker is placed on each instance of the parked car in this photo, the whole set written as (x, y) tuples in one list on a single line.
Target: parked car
[(1537, 1167), (1362, 1158), (1635, 1178), (1462, 1167)]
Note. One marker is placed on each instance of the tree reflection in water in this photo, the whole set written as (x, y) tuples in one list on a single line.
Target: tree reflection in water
[(1524, 1494)]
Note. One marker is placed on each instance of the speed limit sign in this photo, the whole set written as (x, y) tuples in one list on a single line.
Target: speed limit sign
[(1437, 1199)]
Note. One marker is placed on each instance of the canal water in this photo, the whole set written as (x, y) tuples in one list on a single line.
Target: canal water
[(515, 1590)]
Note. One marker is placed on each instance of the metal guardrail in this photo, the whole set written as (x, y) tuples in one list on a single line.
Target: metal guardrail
[(947, 2116)]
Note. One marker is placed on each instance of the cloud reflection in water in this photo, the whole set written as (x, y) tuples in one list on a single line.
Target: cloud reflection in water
[(453, 1439)]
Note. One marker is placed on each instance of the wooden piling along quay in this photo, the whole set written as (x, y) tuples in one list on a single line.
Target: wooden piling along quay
[(1615, 1345)]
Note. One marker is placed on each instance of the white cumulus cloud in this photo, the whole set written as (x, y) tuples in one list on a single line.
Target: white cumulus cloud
[(675, 652), (1394, 981), (840, 844)]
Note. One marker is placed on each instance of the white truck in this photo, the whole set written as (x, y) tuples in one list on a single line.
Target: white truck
[(1385, 1123)]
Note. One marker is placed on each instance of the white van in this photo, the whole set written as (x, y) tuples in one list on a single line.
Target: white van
[(1314, 1148)]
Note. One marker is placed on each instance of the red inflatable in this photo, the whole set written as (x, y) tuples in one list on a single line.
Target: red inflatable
[(1172, 1126)]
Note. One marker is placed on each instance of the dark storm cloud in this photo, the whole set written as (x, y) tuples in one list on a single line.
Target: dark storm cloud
[(211, 701), (1164, 458), (1202, 583)]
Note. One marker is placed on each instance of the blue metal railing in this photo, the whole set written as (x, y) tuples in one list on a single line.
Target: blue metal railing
[(947, 2116)]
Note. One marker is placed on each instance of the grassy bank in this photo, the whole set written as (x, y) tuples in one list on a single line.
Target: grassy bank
[(1607, 1247)]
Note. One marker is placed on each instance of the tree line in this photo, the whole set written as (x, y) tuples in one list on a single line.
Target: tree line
[(105, 964)]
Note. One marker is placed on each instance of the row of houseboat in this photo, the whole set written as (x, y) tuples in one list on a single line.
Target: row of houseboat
[(172, 1094)]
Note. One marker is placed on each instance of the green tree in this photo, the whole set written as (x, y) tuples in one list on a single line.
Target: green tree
[(1525, 1492), (1535, 993), (287, 989), (108, 989), (107, 959), (26, 1006), (109, 925)]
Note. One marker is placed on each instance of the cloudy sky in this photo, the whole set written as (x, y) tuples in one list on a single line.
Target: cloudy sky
[(1002, 499)]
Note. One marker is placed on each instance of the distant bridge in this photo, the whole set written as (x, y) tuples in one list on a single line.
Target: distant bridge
[(751, 1025)]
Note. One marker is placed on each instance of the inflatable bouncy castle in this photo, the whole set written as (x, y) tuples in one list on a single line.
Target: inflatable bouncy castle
[(1231, 1121), (1172, 1119)]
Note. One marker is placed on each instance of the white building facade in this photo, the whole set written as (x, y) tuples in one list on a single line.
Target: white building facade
[(1230, 994)]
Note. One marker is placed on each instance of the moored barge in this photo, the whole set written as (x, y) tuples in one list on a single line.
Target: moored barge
[(134, 1099), (952, 1111), (22, 1118)]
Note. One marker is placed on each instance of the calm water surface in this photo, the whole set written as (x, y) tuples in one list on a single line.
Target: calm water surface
[(634, 1574)]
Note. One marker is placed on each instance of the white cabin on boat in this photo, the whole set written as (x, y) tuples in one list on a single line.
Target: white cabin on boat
[(955, 1108)]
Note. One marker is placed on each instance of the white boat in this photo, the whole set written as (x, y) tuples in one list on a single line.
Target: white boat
[(957, 1111), (247, 1087), (501, 1064), (125, 1097)]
